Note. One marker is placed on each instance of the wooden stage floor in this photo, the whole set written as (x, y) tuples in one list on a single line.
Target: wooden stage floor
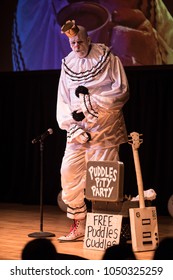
[(17, 221)]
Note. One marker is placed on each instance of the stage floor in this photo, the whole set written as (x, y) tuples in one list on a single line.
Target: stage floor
[(17, 221)]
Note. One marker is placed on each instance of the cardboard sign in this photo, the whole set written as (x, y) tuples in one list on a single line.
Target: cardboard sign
[(102, 231), (104, 181)]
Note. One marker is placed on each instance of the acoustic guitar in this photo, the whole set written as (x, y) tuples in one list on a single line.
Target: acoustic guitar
[(143, 220)]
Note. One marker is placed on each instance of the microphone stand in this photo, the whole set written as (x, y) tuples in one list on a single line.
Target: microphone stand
[(41, 233)]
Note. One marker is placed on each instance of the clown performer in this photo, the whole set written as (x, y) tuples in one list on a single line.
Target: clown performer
[(92, 91)]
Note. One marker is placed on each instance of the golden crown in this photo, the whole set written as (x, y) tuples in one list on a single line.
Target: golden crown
[(70, 28)]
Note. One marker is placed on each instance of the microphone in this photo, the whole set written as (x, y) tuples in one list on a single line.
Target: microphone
[(43, 136)]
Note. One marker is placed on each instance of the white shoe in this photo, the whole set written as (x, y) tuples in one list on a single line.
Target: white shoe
[(77, 230)]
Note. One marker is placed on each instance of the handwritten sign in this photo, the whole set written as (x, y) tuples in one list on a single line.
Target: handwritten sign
[(102, 231), (104, 180)]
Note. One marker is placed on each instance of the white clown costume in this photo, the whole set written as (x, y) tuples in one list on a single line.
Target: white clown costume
[(98, 135)]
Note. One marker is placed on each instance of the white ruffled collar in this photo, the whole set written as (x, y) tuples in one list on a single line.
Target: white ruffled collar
[(86, 68)]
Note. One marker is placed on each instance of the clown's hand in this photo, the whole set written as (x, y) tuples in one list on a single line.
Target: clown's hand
[(83, 138), (82, 90)]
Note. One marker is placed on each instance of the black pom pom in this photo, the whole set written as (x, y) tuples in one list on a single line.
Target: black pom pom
[(89, 136), (78, 116), (81, 89)]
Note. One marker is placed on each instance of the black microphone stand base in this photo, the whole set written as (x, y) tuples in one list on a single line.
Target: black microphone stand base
[(41, 234)]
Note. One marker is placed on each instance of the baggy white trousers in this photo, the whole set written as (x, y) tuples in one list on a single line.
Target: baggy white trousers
[(73, 174)]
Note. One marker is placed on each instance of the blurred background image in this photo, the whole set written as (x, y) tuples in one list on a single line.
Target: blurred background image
[(140, 32)]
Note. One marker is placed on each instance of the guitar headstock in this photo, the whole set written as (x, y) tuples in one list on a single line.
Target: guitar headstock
[(135, 140)]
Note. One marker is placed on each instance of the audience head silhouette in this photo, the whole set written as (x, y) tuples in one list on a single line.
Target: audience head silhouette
[(39, 249), (122, 251), (165, 249)]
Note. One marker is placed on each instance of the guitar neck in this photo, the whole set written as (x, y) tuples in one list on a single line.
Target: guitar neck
[(139, 178)]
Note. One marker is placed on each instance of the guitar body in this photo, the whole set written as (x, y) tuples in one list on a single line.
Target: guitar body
[(143, 220), (144, 228)]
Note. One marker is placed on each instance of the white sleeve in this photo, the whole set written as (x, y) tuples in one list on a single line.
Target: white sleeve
[(63, 112), (118, 94)]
